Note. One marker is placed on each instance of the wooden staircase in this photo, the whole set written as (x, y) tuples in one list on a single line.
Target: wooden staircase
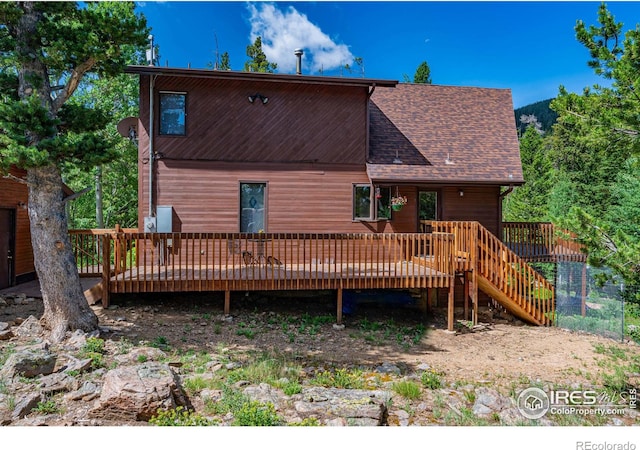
[(500, 273)]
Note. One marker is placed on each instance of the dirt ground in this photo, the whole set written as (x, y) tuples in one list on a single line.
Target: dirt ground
[(496, 352)]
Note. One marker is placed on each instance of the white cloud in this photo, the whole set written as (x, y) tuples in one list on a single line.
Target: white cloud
[(282, 31)]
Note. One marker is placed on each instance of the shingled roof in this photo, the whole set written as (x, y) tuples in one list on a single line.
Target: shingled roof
[(443, 134)]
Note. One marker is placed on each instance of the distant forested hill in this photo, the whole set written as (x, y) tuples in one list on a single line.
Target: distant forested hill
[(546, 117)]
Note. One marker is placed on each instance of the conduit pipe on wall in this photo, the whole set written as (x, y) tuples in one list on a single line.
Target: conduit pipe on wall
[(152, 80)]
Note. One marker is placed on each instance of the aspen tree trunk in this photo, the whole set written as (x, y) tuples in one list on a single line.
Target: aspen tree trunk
[(99, 204)]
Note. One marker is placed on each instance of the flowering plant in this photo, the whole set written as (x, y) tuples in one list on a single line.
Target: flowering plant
[(398, 201)]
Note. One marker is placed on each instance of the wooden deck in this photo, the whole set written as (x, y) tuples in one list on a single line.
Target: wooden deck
[(128, 261), (312, 276), (181, 262)]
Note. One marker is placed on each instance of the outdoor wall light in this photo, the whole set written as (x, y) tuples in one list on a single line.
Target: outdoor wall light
[(461, 192), (262, 98), (22, 205)]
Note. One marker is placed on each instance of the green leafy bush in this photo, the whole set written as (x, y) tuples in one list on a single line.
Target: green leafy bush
[(431, 379), (256, 414), (47, 407), (94, 350), (306, 422), (180, 417)]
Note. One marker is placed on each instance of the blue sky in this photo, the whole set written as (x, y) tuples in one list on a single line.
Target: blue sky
[(528, 47)]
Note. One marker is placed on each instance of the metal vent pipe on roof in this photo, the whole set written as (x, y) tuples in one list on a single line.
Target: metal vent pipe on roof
[(298, 52)]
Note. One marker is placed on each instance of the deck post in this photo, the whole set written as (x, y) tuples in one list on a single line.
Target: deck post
[(465, 281), (339, 307), (227, 302), (451, 305), (433, 297), (474, 295), (583, 290), (424, 300), (106, 269)]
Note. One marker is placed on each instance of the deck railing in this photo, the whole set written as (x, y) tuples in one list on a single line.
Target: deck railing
[(477, 248), (541, 242), (87, 249), (504, 269), (152, 262)]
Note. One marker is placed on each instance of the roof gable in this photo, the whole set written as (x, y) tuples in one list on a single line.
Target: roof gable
[(443, 134)]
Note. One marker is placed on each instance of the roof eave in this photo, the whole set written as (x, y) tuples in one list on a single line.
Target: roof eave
[(258, 76)]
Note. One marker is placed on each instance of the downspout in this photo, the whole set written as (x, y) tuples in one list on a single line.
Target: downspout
[(505, 193), (152, 80)]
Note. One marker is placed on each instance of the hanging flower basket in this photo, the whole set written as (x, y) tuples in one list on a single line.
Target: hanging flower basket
[(398, 202)]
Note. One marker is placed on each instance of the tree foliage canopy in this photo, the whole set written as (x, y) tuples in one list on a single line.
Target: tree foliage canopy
[(423, 74), (595, 145), (47, 48), (258, 61)]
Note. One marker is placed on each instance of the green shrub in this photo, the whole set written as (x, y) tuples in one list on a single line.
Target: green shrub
[(292, 388), (180, 417), (431, 380), (94, 350), (341, 378), (256, 414), (617, 382), (407, 389), (93, 345), (160, 342), (306, 422), (47, 407)]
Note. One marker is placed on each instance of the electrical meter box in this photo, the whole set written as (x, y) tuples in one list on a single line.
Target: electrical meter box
[(164, 216)]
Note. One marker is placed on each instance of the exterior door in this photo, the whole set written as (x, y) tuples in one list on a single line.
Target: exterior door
[(7, 239), (427, 208)]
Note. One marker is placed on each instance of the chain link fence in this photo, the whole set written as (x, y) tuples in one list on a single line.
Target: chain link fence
[(588, 300)]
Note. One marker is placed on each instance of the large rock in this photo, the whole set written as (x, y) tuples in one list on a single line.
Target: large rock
[(265, 393), (138, 392), (29, 328), (29, 363), (26, 404), (489, 401), (356, 406), (140, 355), (58, 382)]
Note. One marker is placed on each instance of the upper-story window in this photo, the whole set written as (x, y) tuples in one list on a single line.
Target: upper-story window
[(173, 113)]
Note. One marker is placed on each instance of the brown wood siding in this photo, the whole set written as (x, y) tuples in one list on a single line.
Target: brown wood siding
[(404, 221), (11, 193), (479, 203), (304, 199), (300, 122)]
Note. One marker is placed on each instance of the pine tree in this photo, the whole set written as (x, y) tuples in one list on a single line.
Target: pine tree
[(47, 49), (257, 59)]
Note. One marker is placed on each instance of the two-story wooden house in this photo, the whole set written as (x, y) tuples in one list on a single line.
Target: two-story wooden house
[(320, 154), (254, 181)]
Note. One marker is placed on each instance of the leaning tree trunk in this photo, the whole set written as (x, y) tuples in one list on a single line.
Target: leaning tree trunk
[(65, 306)]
